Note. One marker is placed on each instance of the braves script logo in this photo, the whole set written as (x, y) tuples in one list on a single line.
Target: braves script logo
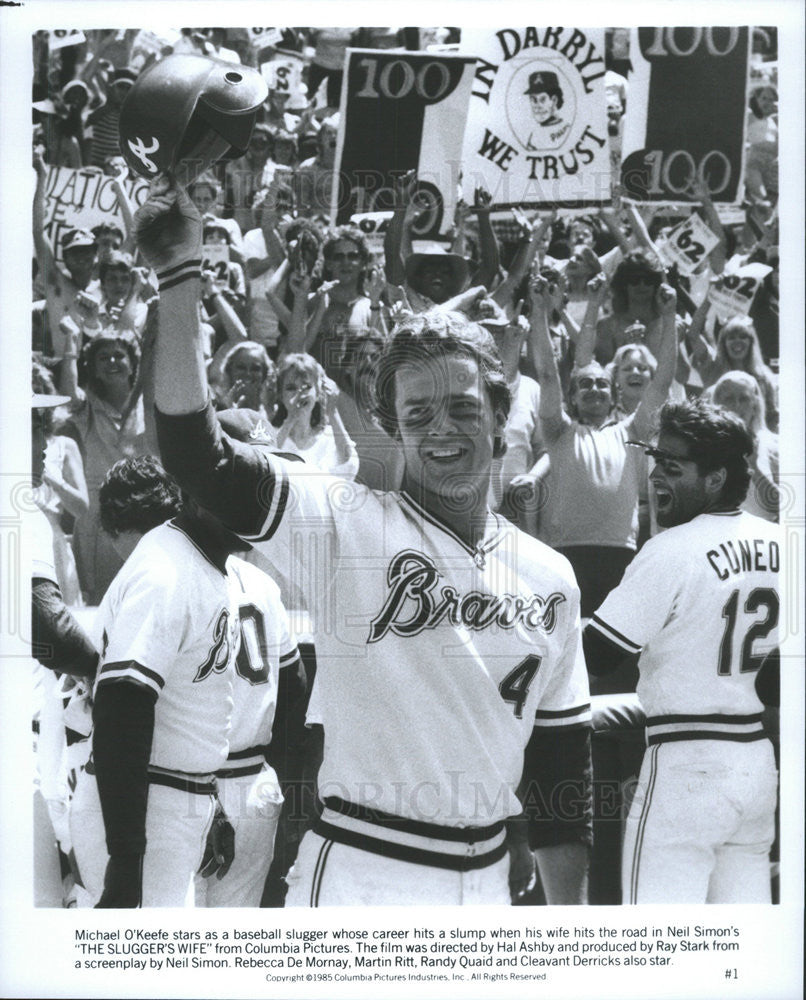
[(141, 151), (218, 656), (412, 606)]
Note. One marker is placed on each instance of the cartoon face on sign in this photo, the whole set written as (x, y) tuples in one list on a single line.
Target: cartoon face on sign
[(540, 105)]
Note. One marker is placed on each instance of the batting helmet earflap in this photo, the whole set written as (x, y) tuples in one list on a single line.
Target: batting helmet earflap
[(187, 111)]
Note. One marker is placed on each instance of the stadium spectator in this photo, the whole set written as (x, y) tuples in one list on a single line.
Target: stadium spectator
[(108, 423), (307, 421), (740, 393)]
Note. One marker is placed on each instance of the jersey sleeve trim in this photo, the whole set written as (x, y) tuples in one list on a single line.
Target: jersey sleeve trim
[(567, 718), (131, 670), (277, 501), (290, 658), (614, 635)]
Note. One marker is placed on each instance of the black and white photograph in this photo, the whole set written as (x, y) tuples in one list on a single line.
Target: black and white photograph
[(411, 526)]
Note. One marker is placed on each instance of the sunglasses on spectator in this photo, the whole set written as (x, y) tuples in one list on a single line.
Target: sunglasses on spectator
[(589, 383), (339, 257)]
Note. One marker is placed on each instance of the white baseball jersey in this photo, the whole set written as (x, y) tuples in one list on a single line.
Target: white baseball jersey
[(435, 659), (700, 603), (264, 647), (168, 622)]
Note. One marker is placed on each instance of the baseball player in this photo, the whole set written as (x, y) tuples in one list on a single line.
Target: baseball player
[(162, 699), (268, 683), (447, 641), (699, 608)]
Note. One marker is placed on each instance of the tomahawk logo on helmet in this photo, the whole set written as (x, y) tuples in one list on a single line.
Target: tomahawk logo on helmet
[(186, 112)]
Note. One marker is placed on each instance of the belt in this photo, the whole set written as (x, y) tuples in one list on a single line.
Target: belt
[(253, 761), (459, 849), (196, 784), (671, 728)]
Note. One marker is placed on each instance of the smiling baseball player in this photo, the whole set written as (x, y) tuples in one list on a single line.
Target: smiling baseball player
[(448, 641), (700, 605)]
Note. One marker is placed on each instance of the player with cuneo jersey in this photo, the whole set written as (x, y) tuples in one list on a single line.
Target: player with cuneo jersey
[(448, 642), (698, 608)]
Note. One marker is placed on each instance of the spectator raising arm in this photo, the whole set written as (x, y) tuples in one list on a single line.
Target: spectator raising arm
[(44, 254), (488, 244), (393, 242), (586, 340), (532, 235), (553, 417), (657, 391)]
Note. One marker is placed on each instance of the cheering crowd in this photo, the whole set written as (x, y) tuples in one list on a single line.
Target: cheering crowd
[(594, 326)]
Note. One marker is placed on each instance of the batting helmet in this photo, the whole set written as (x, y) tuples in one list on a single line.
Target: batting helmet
[(187, 111)]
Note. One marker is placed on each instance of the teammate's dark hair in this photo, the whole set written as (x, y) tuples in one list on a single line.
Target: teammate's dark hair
[(717, 439), (137, 494), (439, 334)]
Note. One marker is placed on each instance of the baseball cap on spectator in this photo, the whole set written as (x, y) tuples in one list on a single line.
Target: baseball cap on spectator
[(74, 238), (75, 85), (123, 76), (431, 252)]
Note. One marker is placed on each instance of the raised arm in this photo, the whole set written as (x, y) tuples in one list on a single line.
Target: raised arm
[(553, 417), (126, 206), (531, 236), (230, 320), (658, 389), (44, 254), (488, 244), (718, 255), (393, 240), (231, 479), (300, 284), (586, 342), (68, 377)]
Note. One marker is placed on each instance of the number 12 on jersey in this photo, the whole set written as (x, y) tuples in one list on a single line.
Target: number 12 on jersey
[(762, 599)]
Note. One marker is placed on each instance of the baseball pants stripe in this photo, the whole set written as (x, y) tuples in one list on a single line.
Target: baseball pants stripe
[(636, 856)]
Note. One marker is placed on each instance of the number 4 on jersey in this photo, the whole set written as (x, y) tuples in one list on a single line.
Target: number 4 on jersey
[(515, 686)]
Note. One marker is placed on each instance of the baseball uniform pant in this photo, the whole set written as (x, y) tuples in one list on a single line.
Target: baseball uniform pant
[(414, 871), (253, 803), (177, 823), (701, 824)]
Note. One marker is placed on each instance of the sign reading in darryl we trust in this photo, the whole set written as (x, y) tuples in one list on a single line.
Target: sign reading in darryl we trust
[(537, 127)]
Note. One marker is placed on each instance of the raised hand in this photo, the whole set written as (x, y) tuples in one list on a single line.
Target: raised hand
[(403, 189), (482, 200), (168, 226), (666, 300), (597, 286)]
